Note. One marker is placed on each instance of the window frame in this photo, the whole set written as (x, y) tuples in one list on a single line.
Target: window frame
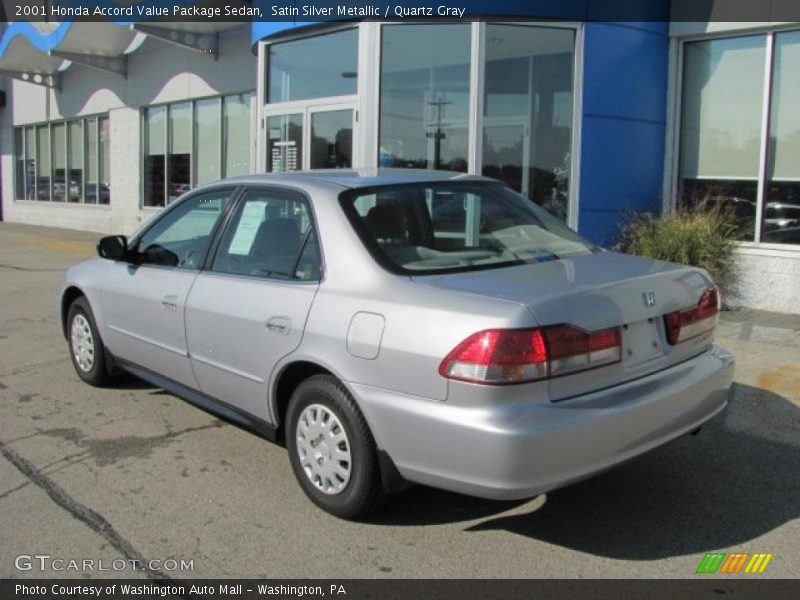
[(477, 91), (291, 193), (144, 138), (672, 171), (287, 39), (68, 163), (235, 193), (367, 100)]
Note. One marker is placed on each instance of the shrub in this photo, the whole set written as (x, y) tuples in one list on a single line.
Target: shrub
[(698, 237)]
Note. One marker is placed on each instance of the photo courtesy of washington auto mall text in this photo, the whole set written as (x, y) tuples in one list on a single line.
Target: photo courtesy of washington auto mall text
[(198, 589)]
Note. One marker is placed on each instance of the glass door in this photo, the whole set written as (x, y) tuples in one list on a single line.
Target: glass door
[(310, 137), (284, 143), (331, 145)]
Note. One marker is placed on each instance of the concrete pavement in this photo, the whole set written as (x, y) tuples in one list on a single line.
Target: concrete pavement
[(132, 473)]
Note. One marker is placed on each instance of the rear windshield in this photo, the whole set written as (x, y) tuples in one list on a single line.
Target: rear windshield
[(442, 227)]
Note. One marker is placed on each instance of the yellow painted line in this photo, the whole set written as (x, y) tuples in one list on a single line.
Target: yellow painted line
[(784, 380), (752, 567), (765, 563), (81, 248)]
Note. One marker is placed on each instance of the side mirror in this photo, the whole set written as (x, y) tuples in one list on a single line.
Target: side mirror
[(113, 247)]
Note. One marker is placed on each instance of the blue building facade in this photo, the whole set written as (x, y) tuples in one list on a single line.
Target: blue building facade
[(624, 124)]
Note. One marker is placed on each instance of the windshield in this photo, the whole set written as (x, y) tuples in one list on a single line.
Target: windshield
[(445, 226)]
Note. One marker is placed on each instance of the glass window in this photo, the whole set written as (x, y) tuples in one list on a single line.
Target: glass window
[(208, 144), (59, 137), (424, 98), (43, 162), (723, 92), (19, 155), (781, 214), (527, 119), (180, 150), (192, 143), (309, 265), (266, 238), (59, 161), (75, 160), (180, 237), (332, 139), (285, 143), (237, 135), (105, 160), (155, 167), (90, 141), (457, 227), (30, 163), (316, 67)]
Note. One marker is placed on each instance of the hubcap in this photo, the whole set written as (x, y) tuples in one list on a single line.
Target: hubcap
[(82, 343), (324, 449)]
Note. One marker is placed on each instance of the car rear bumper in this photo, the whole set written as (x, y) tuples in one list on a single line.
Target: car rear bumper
[(516, 450)]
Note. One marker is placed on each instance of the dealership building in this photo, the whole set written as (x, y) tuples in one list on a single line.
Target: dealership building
[(105, 123)]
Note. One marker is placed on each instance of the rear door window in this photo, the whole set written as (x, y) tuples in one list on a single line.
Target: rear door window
[(271, 235)]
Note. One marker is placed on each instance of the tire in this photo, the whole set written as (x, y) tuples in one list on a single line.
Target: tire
[(85, 345), (334, 460)]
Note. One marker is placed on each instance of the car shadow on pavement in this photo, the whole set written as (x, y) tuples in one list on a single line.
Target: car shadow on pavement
[(735, 481)]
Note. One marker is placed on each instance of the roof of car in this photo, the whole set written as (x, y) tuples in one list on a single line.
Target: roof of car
[(357, 178)]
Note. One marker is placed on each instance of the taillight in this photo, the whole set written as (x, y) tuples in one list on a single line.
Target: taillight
[(683, 325), (502, 356), (498, 356), (570, 349)]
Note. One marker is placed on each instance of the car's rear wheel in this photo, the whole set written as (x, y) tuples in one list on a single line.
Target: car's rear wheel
[(331, 449), (85, 346)]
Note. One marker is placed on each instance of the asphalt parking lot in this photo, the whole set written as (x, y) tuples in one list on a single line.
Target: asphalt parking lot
[(134, 473)]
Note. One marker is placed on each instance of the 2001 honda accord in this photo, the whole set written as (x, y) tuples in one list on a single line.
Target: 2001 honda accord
[(402, 326)]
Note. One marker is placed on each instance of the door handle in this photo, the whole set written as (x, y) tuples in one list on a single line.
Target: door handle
[(279, 325), (170, 302)]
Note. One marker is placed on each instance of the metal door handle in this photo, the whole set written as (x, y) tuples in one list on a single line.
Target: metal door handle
[(170, 302), (279, 325)]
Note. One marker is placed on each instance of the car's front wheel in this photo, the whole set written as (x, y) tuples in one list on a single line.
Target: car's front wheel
[(331, 449), (85, 346)]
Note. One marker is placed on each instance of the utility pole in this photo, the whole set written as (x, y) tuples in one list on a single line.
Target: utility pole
[(438, 134)]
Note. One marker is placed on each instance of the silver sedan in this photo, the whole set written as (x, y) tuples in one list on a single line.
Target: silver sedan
[(400, 326)]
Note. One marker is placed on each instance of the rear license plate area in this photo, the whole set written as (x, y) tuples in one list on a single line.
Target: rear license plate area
[(641, 342)]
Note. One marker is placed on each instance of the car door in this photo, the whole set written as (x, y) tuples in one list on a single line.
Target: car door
[(249, 310), (144, 300)]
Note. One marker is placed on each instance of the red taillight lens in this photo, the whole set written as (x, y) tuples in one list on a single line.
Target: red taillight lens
[(683, 325), (499, 356), (570, 349)]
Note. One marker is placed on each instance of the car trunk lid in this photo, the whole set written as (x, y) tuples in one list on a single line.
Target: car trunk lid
[(595, 292)]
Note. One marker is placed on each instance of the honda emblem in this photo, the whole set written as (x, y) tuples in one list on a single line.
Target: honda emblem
[(649, 298)]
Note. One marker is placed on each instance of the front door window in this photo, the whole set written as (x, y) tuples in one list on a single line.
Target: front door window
[(180, 238)]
